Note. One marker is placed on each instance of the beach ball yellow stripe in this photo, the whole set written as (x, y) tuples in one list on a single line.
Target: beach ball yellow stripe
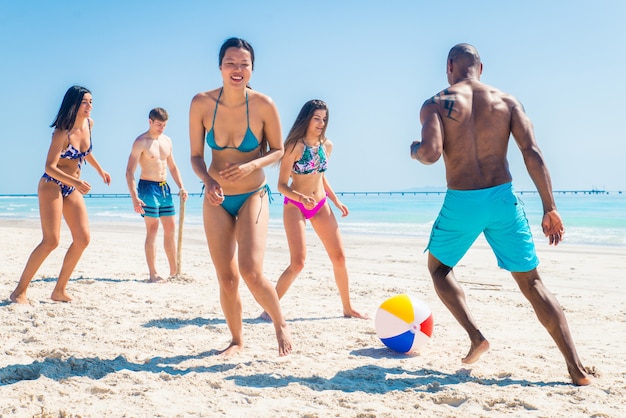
[(400, 306)]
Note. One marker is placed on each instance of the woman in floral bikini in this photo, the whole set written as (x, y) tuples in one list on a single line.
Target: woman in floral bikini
[(61, 191), (305, 160)]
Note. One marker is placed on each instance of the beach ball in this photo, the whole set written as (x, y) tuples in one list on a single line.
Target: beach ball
[(404, 323)]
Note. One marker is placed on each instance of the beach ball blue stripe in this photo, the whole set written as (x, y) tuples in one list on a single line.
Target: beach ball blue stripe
[(401, 343)]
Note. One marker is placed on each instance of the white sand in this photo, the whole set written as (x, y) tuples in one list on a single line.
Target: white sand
[(126, 348)]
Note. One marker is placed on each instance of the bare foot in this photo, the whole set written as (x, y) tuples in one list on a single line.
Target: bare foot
[(232, 350), (581, 376), (285, 345), (60, 296), (475, 352), (21, 299), (265, 316), (351, 313), (157, 279)]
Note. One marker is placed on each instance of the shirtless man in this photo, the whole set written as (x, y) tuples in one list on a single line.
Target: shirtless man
[(152, 198), (470, 124)]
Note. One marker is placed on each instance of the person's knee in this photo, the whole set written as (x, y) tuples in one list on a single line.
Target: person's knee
[(337, 258), (229, 284), (528, 281), (252, 276), (169, 226), (437, 269), (297, 263), (82, 240), (152, 228), (49, 243)]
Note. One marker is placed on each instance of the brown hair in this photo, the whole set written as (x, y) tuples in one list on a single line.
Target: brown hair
[(298, 130), (158, 113)]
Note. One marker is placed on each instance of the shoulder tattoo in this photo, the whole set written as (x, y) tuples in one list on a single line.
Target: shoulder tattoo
[(446, 99)]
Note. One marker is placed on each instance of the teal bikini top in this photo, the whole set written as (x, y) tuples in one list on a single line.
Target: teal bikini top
[(249, 143)]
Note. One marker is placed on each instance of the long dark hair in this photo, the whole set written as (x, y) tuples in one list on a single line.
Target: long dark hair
[(69, 108), (236, 43), (298, 130)]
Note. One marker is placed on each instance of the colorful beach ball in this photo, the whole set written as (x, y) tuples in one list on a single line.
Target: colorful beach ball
[(404, 323)]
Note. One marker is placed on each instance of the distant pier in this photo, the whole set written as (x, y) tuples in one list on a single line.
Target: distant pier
[(592, 191), (439, 192)]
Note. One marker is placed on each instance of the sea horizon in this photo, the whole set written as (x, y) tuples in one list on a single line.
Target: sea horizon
[(591, 217)]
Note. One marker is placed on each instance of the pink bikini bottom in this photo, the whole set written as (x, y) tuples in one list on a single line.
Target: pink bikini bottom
[(308, 213)]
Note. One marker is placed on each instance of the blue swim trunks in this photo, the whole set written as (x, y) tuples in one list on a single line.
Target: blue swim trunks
[(498, 214), (157, 198)]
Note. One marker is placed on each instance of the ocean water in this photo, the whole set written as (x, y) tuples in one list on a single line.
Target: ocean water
[(590, 218)]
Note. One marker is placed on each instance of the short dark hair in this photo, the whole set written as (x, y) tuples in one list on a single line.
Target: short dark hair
[(158, 113), (464, 53)]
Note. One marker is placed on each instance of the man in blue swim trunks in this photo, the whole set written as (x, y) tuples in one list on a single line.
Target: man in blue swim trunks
[(470, 124), (152, 198)]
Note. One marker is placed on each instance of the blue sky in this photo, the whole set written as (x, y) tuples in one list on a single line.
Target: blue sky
[(373, 62)]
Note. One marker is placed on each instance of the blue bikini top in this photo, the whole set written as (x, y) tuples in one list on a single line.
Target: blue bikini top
[(249, 142), (71, 153)]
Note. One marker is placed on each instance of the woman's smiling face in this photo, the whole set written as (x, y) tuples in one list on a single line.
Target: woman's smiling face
[(236, 66)]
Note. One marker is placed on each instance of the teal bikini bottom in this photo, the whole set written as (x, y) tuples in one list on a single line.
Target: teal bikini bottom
[(233, 203)]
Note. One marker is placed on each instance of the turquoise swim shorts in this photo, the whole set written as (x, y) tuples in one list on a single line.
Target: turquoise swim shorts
[(157, 198), (498, 214)]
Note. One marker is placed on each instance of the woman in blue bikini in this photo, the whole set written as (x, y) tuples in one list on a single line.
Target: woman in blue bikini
[(242, 128), (304, 163), (61, 191)]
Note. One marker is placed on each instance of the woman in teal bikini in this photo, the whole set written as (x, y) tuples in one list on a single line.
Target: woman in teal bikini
[(304, 163), (61, 192), (242, 128)]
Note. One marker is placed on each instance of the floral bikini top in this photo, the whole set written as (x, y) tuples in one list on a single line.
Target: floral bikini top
[(71, 153), (313, 160)]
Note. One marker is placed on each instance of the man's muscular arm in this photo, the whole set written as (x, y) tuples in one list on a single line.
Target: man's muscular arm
[(429, 149)]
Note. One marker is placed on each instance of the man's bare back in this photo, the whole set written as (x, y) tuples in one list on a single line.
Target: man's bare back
[(476, 121), (470, 124)]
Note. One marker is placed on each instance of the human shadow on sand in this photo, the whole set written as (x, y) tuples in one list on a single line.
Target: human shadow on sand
[(381, 352), (374, 379), (87, 279), (176, 323), (96, 368)]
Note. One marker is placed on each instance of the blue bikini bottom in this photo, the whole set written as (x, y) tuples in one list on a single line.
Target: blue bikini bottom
[(233, 203)]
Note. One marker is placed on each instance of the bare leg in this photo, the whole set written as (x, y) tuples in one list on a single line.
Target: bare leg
[(152, 229), (169, 242), (75, 214), (219, 227), (551, 316), (453, 296), (50, 211), (295, 229), (230, 301), (327, 230), (251, 233)]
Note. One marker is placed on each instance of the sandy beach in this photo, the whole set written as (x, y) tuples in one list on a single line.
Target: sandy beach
[(127, 348)]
